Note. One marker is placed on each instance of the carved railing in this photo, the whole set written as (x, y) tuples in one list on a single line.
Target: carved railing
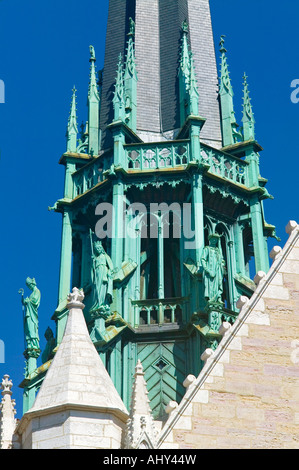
[(89, 176), (224, 165), (158, 155), (162, 155), (158, 311)]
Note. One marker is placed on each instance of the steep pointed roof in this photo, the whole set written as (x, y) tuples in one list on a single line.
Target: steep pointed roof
[(157, 35), (141, 431), (77, 375)]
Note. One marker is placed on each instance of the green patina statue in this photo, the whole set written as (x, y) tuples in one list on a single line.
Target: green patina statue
[(31, 305), (102, 289), (213, 270)]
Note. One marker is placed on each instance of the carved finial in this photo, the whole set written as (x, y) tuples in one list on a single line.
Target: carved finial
[(92, 54), (132, 27), (185, 27), (75, 298), (139, 368), (222, 48), (6, 385)]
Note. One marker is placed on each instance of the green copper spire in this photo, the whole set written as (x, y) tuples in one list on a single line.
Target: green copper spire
[(248, 116), (130, 81), (229, 125), (72, 128), (119, 100), (93, 107)]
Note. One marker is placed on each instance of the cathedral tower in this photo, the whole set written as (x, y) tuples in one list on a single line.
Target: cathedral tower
[(163, 222)]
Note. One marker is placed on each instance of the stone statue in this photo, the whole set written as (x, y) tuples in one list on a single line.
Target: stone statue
[(31, 305), (213, 270), (102, 289)]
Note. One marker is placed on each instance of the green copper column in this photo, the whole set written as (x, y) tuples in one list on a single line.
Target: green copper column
[(118, 236), (261, 258), (160, 259), (239, 248), (70, 168), (198, 215), (66, 257), (65, 271)]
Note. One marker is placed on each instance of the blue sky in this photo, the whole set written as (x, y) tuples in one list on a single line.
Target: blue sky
[(44, 51)]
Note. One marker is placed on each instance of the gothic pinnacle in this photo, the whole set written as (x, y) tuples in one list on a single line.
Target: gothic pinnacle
[(118, 100), (248, 116), (230, 132), (93, 106), (72, 128), (130, 81), (93, 86), (225, 82)]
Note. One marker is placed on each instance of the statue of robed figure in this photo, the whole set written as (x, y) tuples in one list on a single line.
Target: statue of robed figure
[(31, 305), (102, 286), (213, 270)]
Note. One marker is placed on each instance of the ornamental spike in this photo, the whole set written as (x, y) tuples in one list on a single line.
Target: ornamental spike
[(230, 131), (72, 128), (130, 69), (118, 100), (93, 91), (225, 81), (93, 107), (184, 56), (248, 116), (130, 81)]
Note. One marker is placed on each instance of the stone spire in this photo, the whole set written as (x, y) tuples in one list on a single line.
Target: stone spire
[(72, 128), (248, 116), (91, 384), (141, 431), (93, 107), (7, 414), (78, 391)]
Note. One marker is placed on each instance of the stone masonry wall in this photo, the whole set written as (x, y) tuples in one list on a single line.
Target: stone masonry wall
[(247, 395)]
